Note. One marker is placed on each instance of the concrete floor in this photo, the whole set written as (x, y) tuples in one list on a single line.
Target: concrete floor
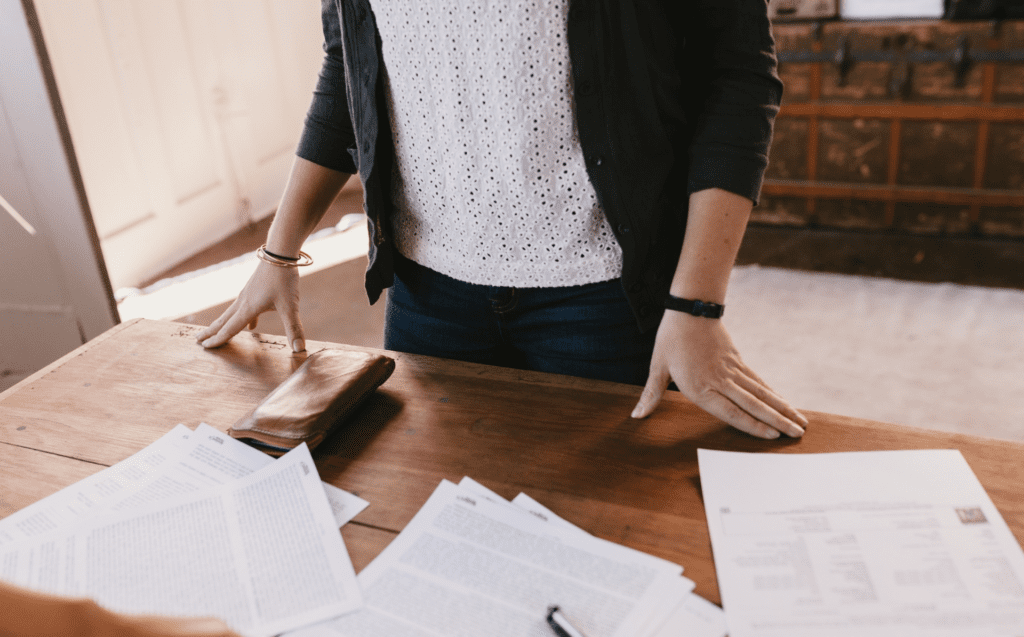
[(938, 356)]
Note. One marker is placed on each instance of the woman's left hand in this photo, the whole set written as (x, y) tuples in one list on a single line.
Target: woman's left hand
[(698, 355)]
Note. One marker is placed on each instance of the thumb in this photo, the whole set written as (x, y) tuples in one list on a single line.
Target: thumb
[(657, 382)]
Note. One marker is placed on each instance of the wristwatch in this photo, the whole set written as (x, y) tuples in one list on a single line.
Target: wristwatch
[(705, 309)]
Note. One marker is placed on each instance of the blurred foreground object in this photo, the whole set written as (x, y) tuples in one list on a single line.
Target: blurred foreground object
[(29, 613)]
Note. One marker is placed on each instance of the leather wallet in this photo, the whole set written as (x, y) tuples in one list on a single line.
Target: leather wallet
[(313, 401)]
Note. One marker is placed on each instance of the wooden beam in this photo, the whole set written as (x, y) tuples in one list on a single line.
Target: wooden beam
[(988, 84), (892, 193), (813, 132), (895, 133), (904, 111)]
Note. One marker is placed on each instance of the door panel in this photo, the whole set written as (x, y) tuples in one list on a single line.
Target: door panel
[(190, 152), (99, 125), (256, 107), (184, 114)]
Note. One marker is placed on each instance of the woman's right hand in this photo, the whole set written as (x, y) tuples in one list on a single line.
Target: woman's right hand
[(309, 192), (270, 287)]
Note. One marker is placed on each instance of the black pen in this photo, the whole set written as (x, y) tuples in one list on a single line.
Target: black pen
[(561, 625)]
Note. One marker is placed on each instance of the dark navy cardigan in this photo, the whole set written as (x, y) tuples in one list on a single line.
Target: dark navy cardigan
[(671, 97)]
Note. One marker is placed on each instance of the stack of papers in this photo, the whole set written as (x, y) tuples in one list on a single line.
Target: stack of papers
[(196, 524), (472, 563), (884, 543), (892, 543)]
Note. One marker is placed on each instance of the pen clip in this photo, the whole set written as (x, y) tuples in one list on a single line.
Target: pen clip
[(561, 625)]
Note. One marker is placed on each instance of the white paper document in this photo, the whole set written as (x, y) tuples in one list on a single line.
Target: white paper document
[(211, 458), (466, 565), (887, 543), (690, 616), (671, 597), (181, 461), (219, 458), (73, 503), (262, 552), (694, 617)]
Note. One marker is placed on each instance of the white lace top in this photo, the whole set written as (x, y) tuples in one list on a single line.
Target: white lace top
[(490, 184)]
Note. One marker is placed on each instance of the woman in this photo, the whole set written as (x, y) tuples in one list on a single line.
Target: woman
[(553, 188)]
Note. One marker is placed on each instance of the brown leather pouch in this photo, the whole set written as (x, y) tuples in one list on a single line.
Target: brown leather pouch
[(313, 401)]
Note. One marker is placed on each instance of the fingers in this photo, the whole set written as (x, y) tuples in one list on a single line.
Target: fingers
[(218, 323), (700, 357), (233, 321), (268, 288), (757, 408), (231, 326), (753, 384), (742, 403), (727, 411), (657, 382)]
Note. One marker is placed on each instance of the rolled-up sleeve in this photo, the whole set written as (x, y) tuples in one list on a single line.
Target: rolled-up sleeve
[(730, 50), (328, 138)]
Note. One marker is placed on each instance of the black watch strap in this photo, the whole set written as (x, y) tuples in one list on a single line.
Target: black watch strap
[(697, 308)]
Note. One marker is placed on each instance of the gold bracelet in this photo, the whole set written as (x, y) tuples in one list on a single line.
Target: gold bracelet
[(303, 259)]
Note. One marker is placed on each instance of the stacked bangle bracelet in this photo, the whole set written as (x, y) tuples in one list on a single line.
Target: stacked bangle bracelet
[(283, 262)]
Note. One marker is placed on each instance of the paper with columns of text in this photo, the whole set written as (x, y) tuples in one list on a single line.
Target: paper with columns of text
[(676, 610), (886, 543), (467, 566), (262, 552), (693, 616), (179, 462), (213, 458), (73, 503)]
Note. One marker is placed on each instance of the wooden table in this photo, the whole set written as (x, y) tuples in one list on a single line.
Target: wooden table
[(568, 442)]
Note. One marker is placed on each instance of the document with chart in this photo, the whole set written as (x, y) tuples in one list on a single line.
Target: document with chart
[(887, 543)]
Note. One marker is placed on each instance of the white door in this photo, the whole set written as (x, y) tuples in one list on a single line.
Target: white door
[(53, 291), (184, 115)]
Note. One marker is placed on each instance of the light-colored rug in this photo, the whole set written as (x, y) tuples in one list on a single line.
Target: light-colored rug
[(940, 356)]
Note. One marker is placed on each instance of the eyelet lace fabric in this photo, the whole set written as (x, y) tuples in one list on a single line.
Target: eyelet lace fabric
[(490, 186)]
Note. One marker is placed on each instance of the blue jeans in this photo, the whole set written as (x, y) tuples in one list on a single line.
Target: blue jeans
[(585, 330)]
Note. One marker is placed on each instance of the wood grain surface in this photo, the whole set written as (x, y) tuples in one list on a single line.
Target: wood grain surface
[(28, 475), (568, 442)]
